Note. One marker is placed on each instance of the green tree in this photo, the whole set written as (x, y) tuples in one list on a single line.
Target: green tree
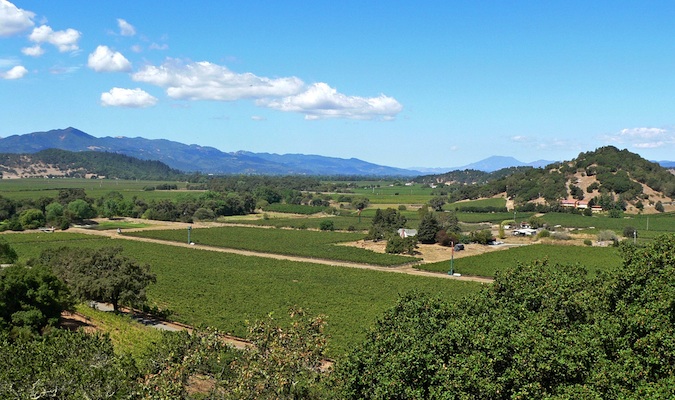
[(65, 365), (438, 202), (31, 298), (100, 274), (428, 229), (327, 225), (399, 245), (32, 218), (659, 206), (53, 213), (283, 362), (81, 210), (539, 331), (7, 253), (360, 203)]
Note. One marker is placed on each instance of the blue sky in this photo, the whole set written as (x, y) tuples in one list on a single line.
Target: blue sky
[(398, 83)]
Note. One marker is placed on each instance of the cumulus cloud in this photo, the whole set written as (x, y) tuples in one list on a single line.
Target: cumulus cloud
[(322, 101), (133, 98), (643, 137), (207, 81), (33, 51), (126, 29), (105, 60), (63, 40), (17, 72), (14, 20)]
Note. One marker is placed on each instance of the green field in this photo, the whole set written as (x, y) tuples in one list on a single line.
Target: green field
[(593, 258), (312, 244), (34, 188), (226, 290)]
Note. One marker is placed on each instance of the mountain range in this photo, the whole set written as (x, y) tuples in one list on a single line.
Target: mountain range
[(209, 160)]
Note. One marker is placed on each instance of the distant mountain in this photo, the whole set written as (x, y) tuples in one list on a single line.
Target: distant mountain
[(195, 158), (666, 164), (490, 164)]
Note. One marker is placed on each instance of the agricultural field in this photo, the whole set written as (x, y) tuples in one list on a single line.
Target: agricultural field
[(595, 259), (226, 290), (312, 244), (34, 188)]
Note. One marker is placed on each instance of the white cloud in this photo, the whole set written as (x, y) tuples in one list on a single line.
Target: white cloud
[(520, 138), (207, 81), (17, 72), (642, 137), (105, 60), (33, 51), (126, 29), (155, 46), (322, 101), (137, 48), (63, 40), (258, 118), (133, 98), (14, 20)]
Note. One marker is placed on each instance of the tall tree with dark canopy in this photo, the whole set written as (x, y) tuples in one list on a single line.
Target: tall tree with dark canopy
[(102, 274)]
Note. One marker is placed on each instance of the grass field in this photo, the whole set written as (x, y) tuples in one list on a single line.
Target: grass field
[(128, 336), (313, 244), (226, 290), (593, 258)]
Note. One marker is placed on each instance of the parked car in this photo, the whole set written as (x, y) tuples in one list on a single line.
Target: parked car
[(459, 247)]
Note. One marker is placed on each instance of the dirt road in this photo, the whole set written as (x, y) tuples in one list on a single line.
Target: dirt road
[(403, 269)]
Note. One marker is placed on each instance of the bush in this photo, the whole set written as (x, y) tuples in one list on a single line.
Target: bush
[(327, 225), (399, 245), (607, 235), (544, 233), (629, 232), (659, 206), (560, 236), (402, 207), (588, 242)]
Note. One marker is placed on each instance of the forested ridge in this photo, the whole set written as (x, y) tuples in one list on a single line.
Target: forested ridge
[(81, 164)]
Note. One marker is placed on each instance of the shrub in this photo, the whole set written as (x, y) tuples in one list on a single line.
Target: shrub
[(544, 233), (399, 245), (629, 232), (607, 235), (351, 228), (402, 207), (588, 242), (659, 206), (327, 225), (560, 236)]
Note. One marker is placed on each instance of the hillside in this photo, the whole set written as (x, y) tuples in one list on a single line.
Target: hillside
[(87, 164), (606, 176), (195, 158)]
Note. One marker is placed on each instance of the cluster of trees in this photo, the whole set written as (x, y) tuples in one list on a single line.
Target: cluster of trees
[(539, 331)]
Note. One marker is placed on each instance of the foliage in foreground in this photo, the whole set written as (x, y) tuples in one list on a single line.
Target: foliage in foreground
[(537, 332)]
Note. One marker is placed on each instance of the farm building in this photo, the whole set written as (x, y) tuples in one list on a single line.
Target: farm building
[(404, 233)]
